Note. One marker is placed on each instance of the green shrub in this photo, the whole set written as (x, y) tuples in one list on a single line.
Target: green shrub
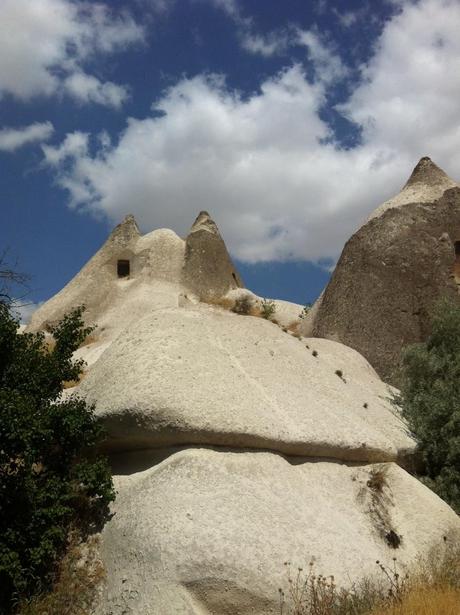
[(50, 476), (267, 308), (430, 401)]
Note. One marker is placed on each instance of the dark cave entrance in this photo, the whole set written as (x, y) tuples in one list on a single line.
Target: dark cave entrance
[(123, 268)]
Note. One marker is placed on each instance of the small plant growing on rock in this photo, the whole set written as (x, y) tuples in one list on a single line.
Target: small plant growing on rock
[(378, 478), (267, 308), (304, 313), (309, 592), (315, 353), (242, 305), (397, 583)]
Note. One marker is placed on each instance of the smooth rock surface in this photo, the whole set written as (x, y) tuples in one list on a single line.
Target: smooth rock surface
[(206, 532), (207, 376)]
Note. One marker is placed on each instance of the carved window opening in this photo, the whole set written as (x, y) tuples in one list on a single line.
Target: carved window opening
[(123, 268)]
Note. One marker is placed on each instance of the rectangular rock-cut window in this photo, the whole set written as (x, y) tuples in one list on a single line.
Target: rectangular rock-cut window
[(123, 269), (457, 249)]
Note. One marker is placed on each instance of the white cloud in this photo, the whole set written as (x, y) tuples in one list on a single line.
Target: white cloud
[(75, 145), (264, 165), (231, 7), (14, 138), (327, 64), (87, 88), (348, 19), (410, 92), (267, 45), (46, 45), (272, 43)]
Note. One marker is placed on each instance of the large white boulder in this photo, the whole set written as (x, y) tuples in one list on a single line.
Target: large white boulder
[(206, 376), (237, 447), (206, 532)]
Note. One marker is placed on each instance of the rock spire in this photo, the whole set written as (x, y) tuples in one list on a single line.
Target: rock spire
[(393, 270), (208, 269), (427, 183)]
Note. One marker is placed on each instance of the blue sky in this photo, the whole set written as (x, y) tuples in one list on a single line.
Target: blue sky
[(288, 121)]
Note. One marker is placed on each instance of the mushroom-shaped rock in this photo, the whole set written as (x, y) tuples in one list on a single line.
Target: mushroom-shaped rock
[(211, 377), (393, 270), (235, 447), (208, 269)]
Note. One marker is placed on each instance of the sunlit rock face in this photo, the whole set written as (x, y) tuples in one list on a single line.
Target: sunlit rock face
[(133, 274), (235, 445), (393, 270), (208, 270)]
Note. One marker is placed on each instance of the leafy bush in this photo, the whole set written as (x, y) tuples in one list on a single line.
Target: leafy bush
[(267, 308), (430, 401), (50, 476)]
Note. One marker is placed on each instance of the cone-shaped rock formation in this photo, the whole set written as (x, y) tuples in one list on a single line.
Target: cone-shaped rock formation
[(132, 274), (427, 183), (393, 269), (208, 269)]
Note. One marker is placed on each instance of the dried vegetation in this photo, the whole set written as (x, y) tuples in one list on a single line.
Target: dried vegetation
[(432, 589), (77, 584)]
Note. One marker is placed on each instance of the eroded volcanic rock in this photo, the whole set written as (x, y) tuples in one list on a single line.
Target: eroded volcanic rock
[(393, 270)]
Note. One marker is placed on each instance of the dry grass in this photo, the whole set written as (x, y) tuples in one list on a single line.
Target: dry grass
[(425, 601), (68, 384), (50, 342), (294, 327), (432, 589), (77, 585), (252, 309), (377, 476), (222, 302), (89, 339)]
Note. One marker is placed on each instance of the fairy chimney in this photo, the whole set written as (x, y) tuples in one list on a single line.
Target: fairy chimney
[(393, 270)]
